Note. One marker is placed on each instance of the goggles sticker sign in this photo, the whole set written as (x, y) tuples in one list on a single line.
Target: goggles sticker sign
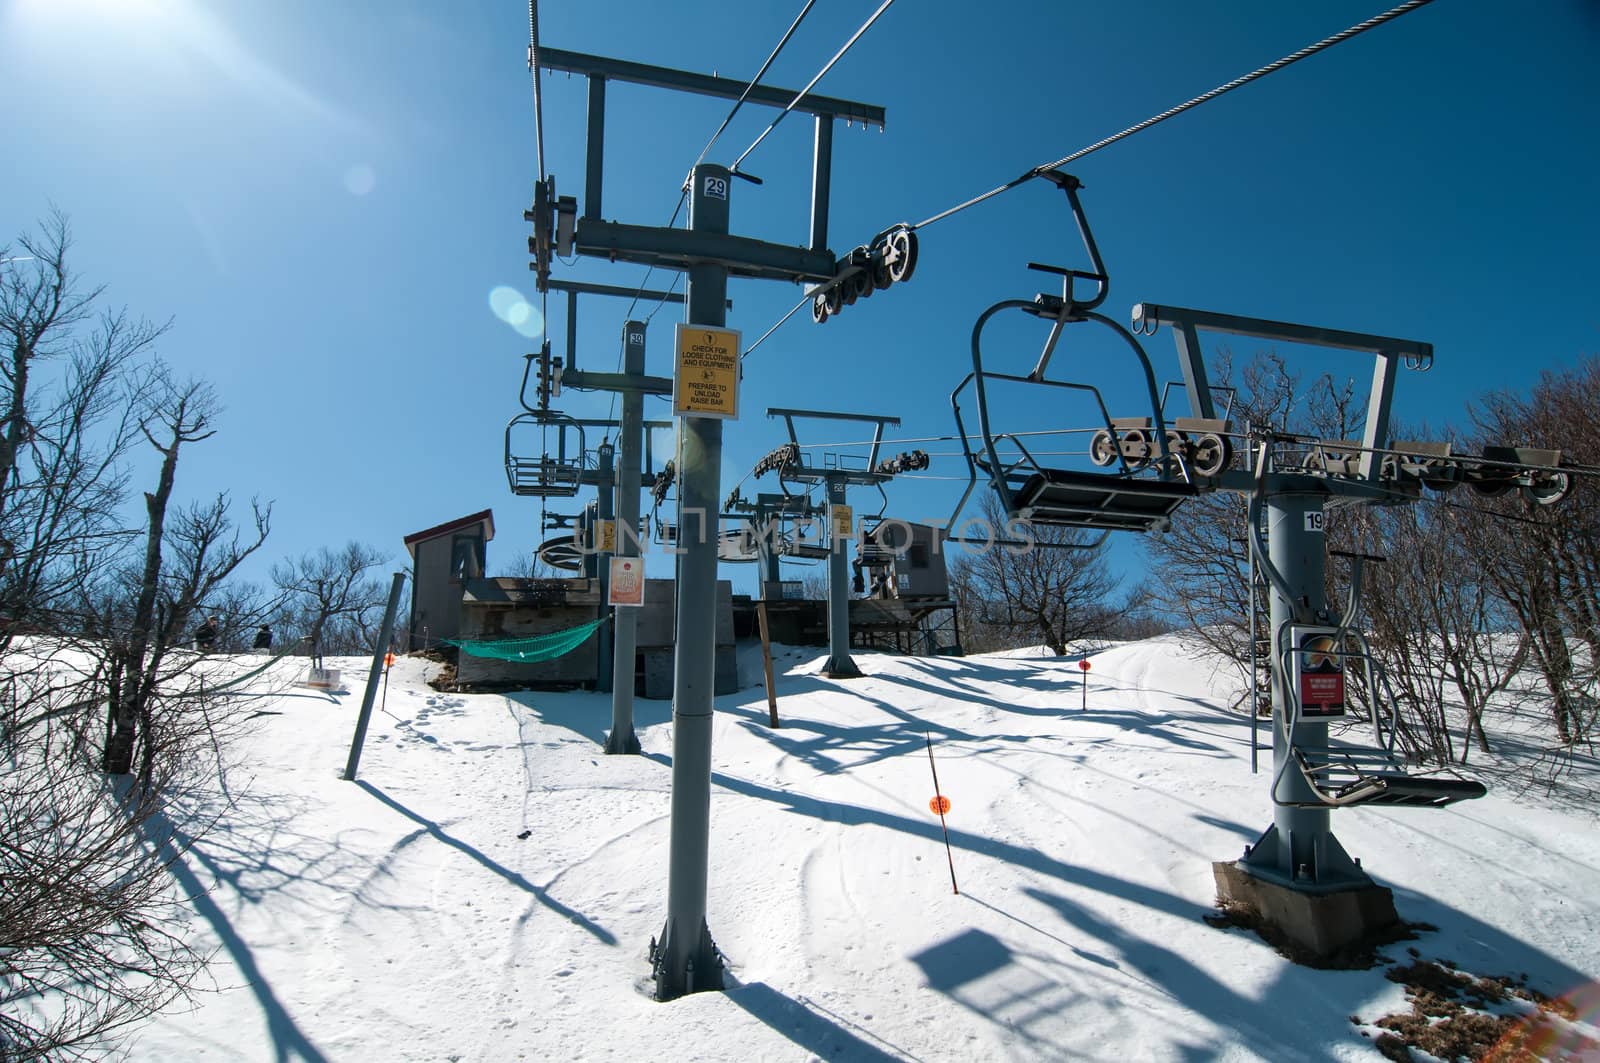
[(1318, 672)]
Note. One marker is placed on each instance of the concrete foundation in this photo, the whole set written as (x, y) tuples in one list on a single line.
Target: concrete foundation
[(1320, 922)]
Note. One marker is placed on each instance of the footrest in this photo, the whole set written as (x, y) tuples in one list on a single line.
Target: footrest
[(1068, 498), (1344, 785), (1389, 788), (542, 478)]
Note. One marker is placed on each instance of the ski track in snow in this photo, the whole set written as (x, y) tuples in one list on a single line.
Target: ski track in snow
[(489, 889)]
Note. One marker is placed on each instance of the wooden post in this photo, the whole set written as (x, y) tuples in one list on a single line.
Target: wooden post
[(766, 661)]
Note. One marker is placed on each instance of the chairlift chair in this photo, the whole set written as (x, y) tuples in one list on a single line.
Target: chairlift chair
[(1150, 482), (737, 545), (555, 474), (1351, 773)]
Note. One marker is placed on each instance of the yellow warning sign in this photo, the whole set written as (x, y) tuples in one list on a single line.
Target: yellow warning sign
[(843, 522), (705, 382), (605, 536)]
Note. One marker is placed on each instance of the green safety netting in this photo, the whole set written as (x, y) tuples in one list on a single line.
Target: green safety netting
[(538, 648)]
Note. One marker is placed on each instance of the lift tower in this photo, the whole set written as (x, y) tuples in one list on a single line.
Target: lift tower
[(841, 526), (1297, 876), (685, 959)]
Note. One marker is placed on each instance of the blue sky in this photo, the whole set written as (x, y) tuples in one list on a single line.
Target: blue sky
[(323, 196)]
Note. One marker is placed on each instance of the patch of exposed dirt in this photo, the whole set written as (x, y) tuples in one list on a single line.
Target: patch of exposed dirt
[(1456, 1015)]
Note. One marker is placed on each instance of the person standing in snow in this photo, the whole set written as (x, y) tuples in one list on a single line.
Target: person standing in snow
[(263, 639), (206, 635)]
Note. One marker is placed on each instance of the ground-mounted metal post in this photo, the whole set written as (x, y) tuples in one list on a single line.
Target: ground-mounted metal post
[(630, 436), (1300, 849), (685, 959), (605, 516), (840, 664), (379, 652)]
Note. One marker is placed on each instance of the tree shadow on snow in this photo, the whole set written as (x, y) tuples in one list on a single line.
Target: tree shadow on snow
[(1335, 994), (288, 1040), (539, 893)]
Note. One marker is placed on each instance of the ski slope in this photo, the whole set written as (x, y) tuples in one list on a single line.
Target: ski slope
[(489, 888)]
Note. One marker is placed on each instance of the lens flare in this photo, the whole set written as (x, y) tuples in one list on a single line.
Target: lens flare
[(1566, 1028), (509, 306)]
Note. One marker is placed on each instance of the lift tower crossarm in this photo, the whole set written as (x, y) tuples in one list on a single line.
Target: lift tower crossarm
[(707, 85), (679, 249), (648, 295), (822, 415), (648, 385), (1147, 317)]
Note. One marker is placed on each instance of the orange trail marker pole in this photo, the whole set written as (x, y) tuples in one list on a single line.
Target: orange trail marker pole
[(388, 663), (941, 804), (1083, 666)]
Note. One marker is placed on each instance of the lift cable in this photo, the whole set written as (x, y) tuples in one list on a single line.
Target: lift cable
[(1480, 511), (755, 81), (1270, 68), (811, 84), (538, 101), (684, 194)]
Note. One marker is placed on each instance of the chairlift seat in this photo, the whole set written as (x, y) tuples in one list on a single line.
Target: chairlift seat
[(876, 555), (1072, 499), (1344, 783)]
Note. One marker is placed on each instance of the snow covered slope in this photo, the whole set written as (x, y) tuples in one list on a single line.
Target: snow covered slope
[(489, 888)]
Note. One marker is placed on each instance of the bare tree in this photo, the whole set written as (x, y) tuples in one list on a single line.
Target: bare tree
[(92, 933), (335, 597), (1054, 591), (70, 409), (1546, 559), (93, 937), (184, 414)]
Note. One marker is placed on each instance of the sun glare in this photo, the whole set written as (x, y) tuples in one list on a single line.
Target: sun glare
[(509, 306)]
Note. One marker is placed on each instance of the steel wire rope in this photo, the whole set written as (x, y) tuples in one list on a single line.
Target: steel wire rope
[(812, 83), (941, 439), (684, 194), (611, 408), (1206, 97), (1254, 75), (804, 11), (538, 101)]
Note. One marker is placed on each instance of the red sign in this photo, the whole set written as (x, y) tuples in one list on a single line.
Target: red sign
[(939, 804), (1084, 664), (1321, 695), (1321, 670)]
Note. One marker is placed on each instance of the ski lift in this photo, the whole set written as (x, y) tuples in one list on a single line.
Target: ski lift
[(562, 553), (1046, 496), (1532, 470), (737, 545), (555, 474), (1350, 773)]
